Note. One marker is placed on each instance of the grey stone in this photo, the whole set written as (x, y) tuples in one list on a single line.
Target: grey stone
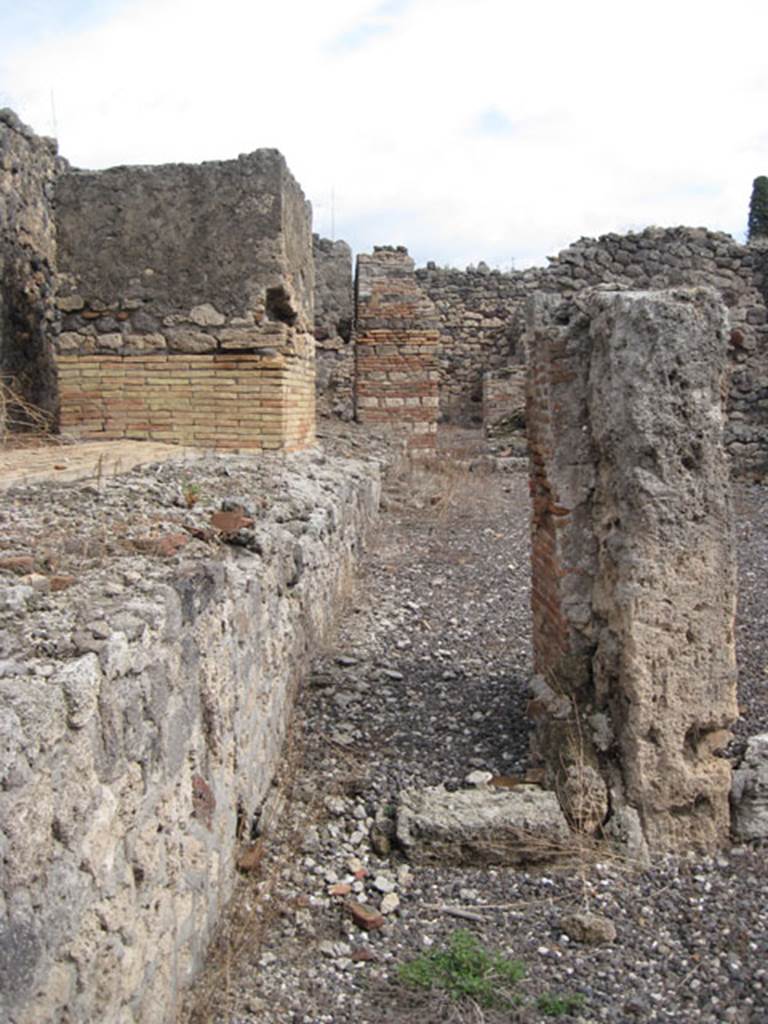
[(749, 792), (585, 926), (80, 681), (481, 826)]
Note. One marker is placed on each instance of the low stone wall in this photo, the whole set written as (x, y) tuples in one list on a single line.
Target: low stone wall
[(143, 709), (396, 345), (633, 586), (28, 315)]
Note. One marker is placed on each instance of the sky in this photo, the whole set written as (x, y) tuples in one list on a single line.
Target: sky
[(466, 130)]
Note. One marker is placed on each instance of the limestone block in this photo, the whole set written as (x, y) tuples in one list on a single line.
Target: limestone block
[(180, 340), (482, 825), (80, 681), (206, 315)]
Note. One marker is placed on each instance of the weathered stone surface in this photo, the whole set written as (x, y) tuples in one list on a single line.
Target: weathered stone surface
[(172, 238), (584, 926), (142, 716), (749, 795), (483, 825), (28, 312), (633, 561), (334, 313)]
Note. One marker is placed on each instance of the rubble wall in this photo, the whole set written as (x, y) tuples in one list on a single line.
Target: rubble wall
[(334, 312), (673, 257), (396, 348), (633, 563), (481, 315), (142, 716), (504, 401), (187, 294), (28, 170)]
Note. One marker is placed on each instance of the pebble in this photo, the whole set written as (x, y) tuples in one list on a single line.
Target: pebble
[(390, 903), (383, 884)]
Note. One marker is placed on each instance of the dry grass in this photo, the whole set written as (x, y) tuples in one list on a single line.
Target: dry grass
[(435, 487), (21, 423)]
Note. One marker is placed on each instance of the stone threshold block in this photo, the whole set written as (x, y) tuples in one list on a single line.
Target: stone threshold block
[(633, 562), (483, 825)]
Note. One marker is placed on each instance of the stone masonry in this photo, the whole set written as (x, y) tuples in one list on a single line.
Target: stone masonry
[(482, 315), (633, 562), (396, 346), (143, 712), (481, 319), (187, 300), (28, 170), (504, 402), (334, 313)]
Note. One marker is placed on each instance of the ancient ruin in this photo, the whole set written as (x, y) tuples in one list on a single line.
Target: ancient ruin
[(156, 626), (192, 324), (396, 345), (633, 588), (28, 169)]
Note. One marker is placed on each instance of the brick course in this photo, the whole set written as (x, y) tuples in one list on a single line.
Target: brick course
[(396, 348)]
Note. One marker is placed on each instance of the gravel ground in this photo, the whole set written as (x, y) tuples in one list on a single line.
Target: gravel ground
[(424, 683)]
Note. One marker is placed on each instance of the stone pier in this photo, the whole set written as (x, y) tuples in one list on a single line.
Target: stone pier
[(633, 562)]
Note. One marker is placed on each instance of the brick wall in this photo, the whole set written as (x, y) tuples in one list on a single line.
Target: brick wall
[(222, 400), (396, 348)]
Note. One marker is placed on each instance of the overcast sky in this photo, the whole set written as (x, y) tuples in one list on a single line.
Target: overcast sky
[(464, 129)]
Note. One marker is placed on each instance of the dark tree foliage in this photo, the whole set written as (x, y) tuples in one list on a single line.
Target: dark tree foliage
[(758, 209)]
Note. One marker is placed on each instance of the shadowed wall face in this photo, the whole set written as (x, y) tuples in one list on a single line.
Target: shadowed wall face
[(633, 561), (28, 169)]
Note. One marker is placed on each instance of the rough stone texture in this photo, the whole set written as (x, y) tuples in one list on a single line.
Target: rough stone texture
[(334, 312), (481, 315), (481, 320), (633, 562), (187, 301), (142, 714), (504, 402), (483, 825), (396, 344), (749, 795), (28, 170)]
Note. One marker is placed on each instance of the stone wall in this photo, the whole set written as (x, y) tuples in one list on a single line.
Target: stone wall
[(672, 257), (396, 347), (28, 169), (143, 709), (633, 563), (481, 320), (504, 402), (482, 315), (334, 313), (191, 286)]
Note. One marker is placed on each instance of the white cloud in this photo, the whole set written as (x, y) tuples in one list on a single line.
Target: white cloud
[(597, 116)]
